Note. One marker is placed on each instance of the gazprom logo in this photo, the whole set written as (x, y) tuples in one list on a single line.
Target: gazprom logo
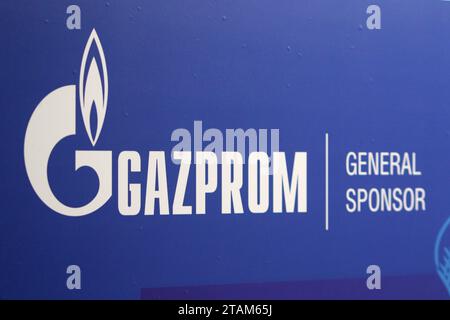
[(55, 119)]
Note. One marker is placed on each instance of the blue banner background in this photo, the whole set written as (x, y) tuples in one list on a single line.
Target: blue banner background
[(306, 67)]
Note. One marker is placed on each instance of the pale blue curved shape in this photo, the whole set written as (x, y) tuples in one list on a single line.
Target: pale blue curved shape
[(439, 239), (445, 273)]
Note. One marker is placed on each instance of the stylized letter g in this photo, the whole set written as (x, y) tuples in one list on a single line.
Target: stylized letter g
[(55, 119)]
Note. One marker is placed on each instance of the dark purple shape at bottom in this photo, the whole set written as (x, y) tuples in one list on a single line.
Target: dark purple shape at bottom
[(398, 287)]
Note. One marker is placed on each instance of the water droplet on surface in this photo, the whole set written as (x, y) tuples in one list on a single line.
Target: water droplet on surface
[(224, 18), (107, 4), (288, 48)]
